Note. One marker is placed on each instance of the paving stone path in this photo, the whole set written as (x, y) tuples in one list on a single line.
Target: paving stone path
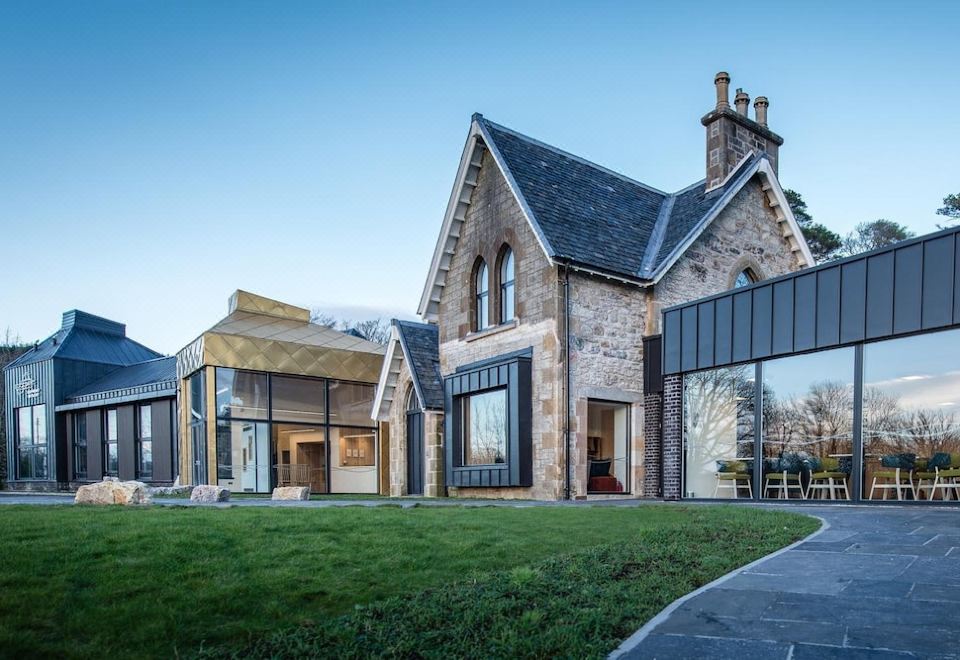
[(879, 582)]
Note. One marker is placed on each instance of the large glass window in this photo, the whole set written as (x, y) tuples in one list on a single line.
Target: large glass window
[(482, 293), (298, 399), (80, 445), (145, 441), (31, 446), (243, 456), (506, 286), (350, 403), (808, 425), (718, 435), (198, 404), (301, 456), (484, 427), (911, 417), (353, 461), (608, 432), (241, 394), (111, 457)]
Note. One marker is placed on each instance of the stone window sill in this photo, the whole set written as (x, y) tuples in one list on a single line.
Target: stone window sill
[(495, 330)]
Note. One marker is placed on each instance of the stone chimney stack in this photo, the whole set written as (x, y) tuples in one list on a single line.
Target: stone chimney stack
[(732, 135)]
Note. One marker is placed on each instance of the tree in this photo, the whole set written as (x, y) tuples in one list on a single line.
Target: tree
[(823, 242), (376, 330), (950, 208), (872, 235)]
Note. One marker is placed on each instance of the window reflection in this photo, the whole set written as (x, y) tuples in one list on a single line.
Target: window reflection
[(350, 403), (241, 394), (718, 432), (484, 428), (298, 399), (808, 425), (911, 417)]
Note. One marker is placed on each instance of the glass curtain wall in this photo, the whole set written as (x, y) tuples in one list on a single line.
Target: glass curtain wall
[(911, 418), (808, 425), (32, 442), (718, 435), (608, 432), (294, 431)]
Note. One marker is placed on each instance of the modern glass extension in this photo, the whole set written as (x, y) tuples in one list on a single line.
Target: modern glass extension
[(275, 430), (874, 421)]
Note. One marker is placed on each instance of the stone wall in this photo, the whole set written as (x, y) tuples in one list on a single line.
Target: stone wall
[(607, 321), (745, 234), (493, 219), (672, 436), (398, 433)]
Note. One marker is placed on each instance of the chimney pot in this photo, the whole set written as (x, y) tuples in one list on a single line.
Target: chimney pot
[(742, 101), (722, 81), (760, 109)]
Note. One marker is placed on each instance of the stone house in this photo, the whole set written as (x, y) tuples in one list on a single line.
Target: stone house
[(544, 289)]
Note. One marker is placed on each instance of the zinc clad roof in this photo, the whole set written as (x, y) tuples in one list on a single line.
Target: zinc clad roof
[(160, 371)]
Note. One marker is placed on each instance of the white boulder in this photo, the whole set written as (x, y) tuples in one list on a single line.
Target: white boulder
[(291, 493), (113, 491), (209, 494)]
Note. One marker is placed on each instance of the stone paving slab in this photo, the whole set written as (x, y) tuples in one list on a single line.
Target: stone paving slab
[(876, 583)]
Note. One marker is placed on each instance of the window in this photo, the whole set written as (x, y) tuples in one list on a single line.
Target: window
[(145, 442), (350, 403), (31, 446), (80, 445), (111, 459), (484, 427), (299, 399), (911, 416), (243, 456), (357, 447), (718, 434), (241, 394), (608, 433), (482, 290), (507, 298), (808, 425), (198, 404), (745, 278)]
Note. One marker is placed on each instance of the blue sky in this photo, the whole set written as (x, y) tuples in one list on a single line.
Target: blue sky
[(155, 156)]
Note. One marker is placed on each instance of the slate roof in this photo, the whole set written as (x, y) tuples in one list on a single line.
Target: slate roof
[(421, 346), (160, 371), (594, 217), (88, 338)]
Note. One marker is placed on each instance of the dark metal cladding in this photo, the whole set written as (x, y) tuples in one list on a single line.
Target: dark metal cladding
[(901, 289)]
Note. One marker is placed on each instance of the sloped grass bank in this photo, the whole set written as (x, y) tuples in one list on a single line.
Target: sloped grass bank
[(581, 603), (161, 582)]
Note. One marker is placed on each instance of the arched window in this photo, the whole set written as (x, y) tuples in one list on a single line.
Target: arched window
[(507, 298), (412, 404), (745, 278), (482, 292)]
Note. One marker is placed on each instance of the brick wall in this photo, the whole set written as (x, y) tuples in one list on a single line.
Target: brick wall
[(672, 436), (652, 433)]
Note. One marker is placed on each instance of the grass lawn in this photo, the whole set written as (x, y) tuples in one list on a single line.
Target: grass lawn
[(351, 582)]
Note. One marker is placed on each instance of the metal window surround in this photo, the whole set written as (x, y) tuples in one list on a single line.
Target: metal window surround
[(512, 372), (907, 288)]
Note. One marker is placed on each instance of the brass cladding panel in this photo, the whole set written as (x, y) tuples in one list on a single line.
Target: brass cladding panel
[(257, 354), (251, 302)]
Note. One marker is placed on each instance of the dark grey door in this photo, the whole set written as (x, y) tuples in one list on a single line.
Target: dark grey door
[(415, 453)]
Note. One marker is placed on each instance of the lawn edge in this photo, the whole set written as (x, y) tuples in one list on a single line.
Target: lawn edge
[(634, 640)]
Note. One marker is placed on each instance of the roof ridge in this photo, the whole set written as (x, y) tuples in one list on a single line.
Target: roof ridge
[(571, 156)]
